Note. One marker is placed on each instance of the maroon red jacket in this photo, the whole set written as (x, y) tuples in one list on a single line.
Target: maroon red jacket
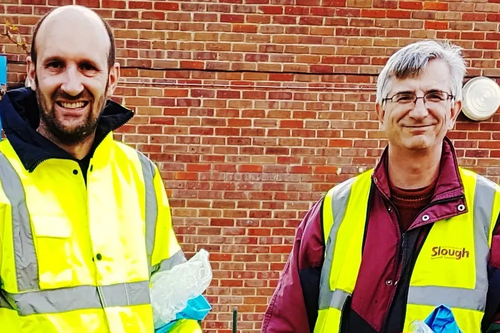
[(378, 302)]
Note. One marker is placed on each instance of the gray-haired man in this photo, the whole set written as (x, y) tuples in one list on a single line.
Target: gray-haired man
[(388, 247)]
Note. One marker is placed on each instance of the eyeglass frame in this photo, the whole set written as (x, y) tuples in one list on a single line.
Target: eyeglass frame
[(449, 97)]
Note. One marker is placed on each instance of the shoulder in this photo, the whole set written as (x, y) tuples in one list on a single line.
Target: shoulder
[(480, 182), (132, 153)]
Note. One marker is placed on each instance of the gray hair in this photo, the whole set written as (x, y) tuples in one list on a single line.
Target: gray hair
[(411, 59)]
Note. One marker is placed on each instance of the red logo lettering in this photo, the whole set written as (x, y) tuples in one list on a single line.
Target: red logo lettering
[(449, 253)]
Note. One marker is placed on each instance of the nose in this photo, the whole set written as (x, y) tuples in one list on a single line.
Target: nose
[(72, 84), (419, 110)]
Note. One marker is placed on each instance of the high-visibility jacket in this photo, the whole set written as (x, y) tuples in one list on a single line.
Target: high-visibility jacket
[(460, 281), (78, 257)]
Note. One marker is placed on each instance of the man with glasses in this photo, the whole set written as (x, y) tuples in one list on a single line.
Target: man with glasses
[(390, 246)]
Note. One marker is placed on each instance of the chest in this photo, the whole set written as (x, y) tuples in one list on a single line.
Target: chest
[(73, 233)]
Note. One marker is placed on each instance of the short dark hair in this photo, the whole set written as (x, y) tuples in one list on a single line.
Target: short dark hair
[(112, 48)]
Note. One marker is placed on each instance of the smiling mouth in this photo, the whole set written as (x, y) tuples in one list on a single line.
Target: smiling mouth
[(73, 105), (420, 126)]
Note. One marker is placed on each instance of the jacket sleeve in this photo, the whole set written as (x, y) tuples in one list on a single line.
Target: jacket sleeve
[(166, 250), (294, 304)]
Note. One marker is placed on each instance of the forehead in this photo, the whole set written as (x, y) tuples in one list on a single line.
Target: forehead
[(73, 37), (436, 75)]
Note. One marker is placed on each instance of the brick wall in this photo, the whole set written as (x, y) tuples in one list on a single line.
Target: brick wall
[(254, 108)]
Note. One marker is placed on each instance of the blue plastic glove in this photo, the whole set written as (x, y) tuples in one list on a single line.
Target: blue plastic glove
[(441, 320), (197, 308)]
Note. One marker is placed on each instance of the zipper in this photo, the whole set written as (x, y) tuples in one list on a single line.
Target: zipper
[(400, 264), (403, 251)]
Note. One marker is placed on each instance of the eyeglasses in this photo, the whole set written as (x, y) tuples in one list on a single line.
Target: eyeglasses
[(433, 96)]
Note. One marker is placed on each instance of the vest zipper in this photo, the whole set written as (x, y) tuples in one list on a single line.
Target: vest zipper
[(402, 252), (400, 263)]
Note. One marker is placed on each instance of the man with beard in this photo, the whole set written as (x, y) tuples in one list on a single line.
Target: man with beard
[(84, 220)]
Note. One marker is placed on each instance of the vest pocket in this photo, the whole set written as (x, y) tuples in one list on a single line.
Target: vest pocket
[(52, 227), (53, 246)]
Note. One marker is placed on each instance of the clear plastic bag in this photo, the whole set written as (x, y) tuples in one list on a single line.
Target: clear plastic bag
[(418, 326), (172, 289)]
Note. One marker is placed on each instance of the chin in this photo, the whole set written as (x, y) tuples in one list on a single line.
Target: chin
[(417, 144)]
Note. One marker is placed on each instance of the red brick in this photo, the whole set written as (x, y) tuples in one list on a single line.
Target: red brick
[(88, 3), (311, 20), (321, 69), (293, 10), (493, 36), (435, 25), (433, 5), (273, 10), (322, 11), (472, 35), (334, 3), (493, 17), (410, 5), (400, 14), (473, 17), (139, 5), (232, 18), (246, 28), (167, 6), (486, 45), (376, 13), (347, 32)]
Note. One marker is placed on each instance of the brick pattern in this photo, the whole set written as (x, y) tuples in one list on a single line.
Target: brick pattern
[(254, 108)]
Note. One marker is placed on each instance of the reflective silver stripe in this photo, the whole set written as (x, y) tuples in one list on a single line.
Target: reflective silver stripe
[(340, 197), (167, 264), (25, 258), (473, 299), (338, 299), (484, 197), (81, 297), (148, 172)]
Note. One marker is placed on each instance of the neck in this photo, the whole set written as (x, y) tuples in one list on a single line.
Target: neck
[(77, 150), (414, 169)]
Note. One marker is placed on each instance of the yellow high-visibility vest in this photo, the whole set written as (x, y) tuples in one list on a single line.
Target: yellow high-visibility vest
[(78, 257), (460, 283)]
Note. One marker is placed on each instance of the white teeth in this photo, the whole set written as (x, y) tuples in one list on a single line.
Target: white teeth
[(72, 105)]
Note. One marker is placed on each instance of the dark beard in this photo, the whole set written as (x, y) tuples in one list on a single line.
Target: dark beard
[(64, 135)]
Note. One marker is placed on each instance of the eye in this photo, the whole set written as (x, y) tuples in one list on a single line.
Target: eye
[(54, 65), (435, 96), (404, 98), (87, 67)]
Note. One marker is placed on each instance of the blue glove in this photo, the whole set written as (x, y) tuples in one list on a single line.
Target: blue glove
[(197, 308), (441, 320)]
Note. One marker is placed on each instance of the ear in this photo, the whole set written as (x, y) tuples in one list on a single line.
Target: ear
[(113, 77), (31, 72), (454, 112), (380, 114)]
